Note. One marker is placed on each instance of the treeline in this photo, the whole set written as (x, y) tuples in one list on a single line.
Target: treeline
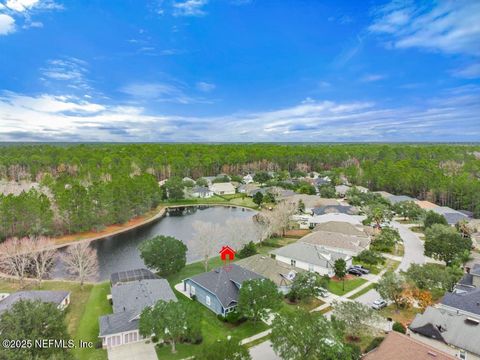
[(98, 184)]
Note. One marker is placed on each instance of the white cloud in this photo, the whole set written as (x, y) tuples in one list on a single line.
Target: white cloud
[(372, 77), (162, 92), (454, 117), (205, 87), (70, 70), (447, 26), (189, 8), (21, 5), (7, 24), (468, 72)]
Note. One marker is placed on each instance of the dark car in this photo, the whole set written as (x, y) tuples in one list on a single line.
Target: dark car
[(361, 269), (355, 272)]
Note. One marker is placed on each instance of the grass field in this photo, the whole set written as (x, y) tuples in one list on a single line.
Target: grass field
[(336, 287)]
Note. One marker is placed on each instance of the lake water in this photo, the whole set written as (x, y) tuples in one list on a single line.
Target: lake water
[(120, 252)]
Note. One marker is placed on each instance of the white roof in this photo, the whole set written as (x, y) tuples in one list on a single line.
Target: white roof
[(225, 187), (352, 219)]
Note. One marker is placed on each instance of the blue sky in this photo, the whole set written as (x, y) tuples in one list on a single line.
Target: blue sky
[(239, 70)]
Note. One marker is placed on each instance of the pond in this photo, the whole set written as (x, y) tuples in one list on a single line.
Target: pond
[(120, 252)]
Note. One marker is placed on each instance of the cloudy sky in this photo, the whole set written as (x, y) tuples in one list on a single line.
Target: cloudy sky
[(239, 70)]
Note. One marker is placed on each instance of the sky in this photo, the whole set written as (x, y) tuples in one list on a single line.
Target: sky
[(239, 71)]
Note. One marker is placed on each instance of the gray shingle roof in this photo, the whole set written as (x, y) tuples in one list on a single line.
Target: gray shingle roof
[(311, 254), (131, 275), (55, 297), (135, 296), (335, 240), (475, 270), (117, 323), (465, 301), (338, 209), (201, 190), (225, 282), (454, 328), (452, 216)]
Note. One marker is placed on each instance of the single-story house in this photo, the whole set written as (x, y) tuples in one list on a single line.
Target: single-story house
[(452, 216), (355, 220), (342, 228), (60, 298), (218, 289), (247, 188), (247, 179), (280, 273), (397, 346), (202, 192), (128, 300), (223, 188), (394, 199), (332, 209), (310, 201), (347, 244), (452, 332), (209, 179), (310, 257), (341, 190), (426, 205)]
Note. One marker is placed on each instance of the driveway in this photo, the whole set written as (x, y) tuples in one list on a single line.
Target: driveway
[(134, 351), (263, 351), (413, 247)]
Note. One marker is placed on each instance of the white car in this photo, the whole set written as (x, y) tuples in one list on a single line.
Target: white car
[(379, 304), (323, 293)]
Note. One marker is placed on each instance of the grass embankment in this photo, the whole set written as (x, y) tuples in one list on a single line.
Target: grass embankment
[(86, 305), (233, 200)]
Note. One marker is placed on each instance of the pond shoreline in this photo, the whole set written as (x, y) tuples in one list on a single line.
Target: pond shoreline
[(159, 215)]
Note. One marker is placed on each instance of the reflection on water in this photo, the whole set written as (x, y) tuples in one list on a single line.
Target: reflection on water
[(120, 252)]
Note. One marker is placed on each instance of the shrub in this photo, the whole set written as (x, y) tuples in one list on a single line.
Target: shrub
[(369, 257), (374, 344), (234, 317), (248, 249), (398, 327)]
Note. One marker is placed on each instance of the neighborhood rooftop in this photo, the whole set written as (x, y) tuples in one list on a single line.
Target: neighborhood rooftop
[(332, 240), (225, 282), (55, 297), (466, 301), (131, 275), (341, 227), (312, 254)]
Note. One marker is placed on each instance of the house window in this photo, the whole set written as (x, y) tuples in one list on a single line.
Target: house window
[(192, 290), (207, 300), (293, 262)]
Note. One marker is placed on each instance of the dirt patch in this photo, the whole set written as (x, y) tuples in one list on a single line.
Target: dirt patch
[(297, 233)]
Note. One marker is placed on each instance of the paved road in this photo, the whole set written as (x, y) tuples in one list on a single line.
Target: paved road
[(413, 247), (263, 351)]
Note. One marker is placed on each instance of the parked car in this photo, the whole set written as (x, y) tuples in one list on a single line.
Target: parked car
[(323, 293), (379, 304), (361, 269), (355, 271)]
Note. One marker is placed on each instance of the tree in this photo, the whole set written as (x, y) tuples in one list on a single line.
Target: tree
[(398, 327), (306, 188), (171, 321), (386, 240), (43, 257), (444, 243), (327, 191), (390, 287), (433, 277), (408, 209), (269, 198), (264, 225), (225, 349), (357, 317), (237, 231), (340, 269), (306, 285), (379, 213), (301, 335), (165, 254), (174, 188), (370, 257), (280, 216), (248, 250), (261, 177), (202, 182), (34, 320), (464, 228), (81, 261), (15, 256), (257, 297), (432, 218), (207, 238), (258, 198), (301, 206)]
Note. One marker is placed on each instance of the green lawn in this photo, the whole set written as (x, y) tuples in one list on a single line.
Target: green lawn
[(307, 305), (236, 199), (97, 305), (212, 330), (336, 287), (193, 269)]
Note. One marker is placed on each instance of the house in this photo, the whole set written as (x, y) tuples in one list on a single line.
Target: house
[(201, 192), (280, 273), (425, 205), (355, 220), (310, 201), (60, 298), (218, 289), (129, 298), (310, 257), (362, 189), (451, 332), (397, 346), (248, 188), (247, 179), (452, 216), (350, 245), (223, 188), (395, 199), (341, 190), (338, 209), (209, 179), (342, 228), (227, 253)]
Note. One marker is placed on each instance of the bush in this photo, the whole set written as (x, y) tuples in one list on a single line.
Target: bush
[(374, 344), (194, 297), (247, 250), (398, 327), (234, 317), (370, 257), (221, 317)]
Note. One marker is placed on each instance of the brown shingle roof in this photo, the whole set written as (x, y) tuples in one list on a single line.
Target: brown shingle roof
[(397, 346)]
